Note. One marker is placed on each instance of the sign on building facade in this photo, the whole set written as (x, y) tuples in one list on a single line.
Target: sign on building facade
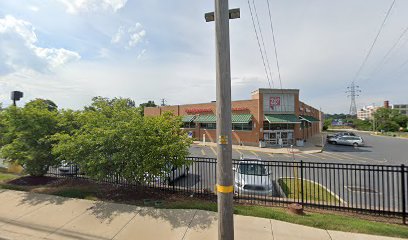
[(279, 102)]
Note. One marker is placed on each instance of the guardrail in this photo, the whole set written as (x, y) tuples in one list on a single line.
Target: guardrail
[(373, 189)]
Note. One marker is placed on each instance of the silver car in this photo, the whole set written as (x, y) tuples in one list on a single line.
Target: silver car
[(348, 140), (67, 168), (252, 178)]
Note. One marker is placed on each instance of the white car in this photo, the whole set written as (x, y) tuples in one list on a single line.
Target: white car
[(252, 178), (348, 140), (68, 168), (169, 175)]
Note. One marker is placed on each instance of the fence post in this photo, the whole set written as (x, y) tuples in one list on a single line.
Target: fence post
[(403, 194), (301, 181)]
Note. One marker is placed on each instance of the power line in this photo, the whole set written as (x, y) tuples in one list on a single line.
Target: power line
[(383, 60), (262, 40), (259, 44), (274, 44), (375, 40)]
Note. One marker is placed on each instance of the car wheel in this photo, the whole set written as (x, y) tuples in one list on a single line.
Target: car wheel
[(334, 142), (355, 144)]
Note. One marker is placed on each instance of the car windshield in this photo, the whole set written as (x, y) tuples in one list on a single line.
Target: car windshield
[(252, 169)]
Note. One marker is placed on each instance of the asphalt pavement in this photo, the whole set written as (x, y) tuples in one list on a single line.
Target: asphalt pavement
[(378, 150)]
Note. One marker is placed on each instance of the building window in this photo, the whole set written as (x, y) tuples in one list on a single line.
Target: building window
[(279, 126), (208, 125), (242, 126), (188, 125)]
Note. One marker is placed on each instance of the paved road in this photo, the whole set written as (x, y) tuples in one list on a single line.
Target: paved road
[(378, 151), (364, 187)]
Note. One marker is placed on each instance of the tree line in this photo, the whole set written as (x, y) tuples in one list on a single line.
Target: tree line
[(108, 137), (384, 119)]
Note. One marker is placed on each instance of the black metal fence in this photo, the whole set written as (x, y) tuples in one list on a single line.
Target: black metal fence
[(375, 189)]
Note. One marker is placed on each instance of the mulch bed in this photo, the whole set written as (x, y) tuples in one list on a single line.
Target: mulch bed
[(33, 181)]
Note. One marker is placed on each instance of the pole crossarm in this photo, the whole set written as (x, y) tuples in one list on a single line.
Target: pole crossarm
[(233, 14)]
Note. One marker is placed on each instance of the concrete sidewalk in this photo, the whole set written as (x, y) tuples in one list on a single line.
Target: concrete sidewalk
[(31, 216), (313, 145)]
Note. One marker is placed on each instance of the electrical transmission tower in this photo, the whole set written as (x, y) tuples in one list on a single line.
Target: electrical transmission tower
[(163, 102), (353, 90)]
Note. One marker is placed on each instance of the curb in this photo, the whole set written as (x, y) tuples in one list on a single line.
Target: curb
[(270, 151)]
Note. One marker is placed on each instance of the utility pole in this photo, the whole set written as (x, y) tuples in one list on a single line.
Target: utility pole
[(224, 187)]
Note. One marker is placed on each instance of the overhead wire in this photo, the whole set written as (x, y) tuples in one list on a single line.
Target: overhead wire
[(262, 40), (385, 58), (374, 42), (274, 44), (259, 44)]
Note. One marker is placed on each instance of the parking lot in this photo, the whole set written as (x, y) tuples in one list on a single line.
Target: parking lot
[(378, 150)]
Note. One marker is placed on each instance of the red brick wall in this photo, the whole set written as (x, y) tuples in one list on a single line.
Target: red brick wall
[(254, 106), (151, 111), (245, 137)]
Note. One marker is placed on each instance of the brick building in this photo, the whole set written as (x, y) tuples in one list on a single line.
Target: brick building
[(273, 116)]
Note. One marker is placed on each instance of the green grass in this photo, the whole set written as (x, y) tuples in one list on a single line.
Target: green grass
[(7, 176), (318, 220), (328, 221), (311, 191), (76, 193)]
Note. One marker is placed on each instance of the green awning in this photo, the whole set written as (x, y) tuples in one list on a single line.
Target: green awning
[(282, 118), (205, 119), (188, 118), (309, 118), (241, 118), (236, 118)]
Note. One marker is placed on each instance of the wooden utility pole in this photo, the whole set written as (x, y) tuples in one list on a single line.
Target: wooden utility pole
[(224, 187)]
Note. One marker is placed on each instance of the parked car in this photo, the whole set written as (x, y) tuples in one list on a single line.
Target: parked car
[(68, 168), (348, 140), (252, 178), (168, 176), (339, 134)]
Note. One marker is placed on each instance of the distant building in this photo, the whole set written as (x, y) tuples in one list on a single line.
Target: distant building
[(366, 113), (271, 116), (402, 108)]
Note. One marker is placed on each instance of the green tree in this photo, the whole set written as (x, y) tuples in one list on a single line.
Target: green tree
[(114, 139), (27, 132), (388, 120), (365, 125), (327, 123)]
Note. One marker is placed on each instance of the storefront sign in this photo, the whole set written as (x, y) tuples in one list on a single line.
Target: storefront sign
[(199, 110), (274, 101), (278, 102), (240, 109)]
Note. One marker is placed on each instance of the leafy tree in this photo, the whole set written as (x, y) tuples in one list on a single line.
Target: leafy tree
[(113, 138), (42, 104), (146, 104), (389, 120), (327, 123), (365, 125), (27, 133)]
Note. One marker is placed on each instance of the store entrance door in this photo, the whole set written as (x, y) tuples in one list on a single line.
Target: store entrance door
[(278, 137)]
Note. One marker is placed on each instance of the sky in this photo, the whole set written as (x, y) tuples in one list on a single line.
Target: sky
[(72, 50)]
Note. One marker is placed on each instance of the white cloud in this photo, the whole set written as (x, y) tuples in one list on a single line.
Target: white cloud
[(76, 6), (34, 8), (19, 49), (129, 36)]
